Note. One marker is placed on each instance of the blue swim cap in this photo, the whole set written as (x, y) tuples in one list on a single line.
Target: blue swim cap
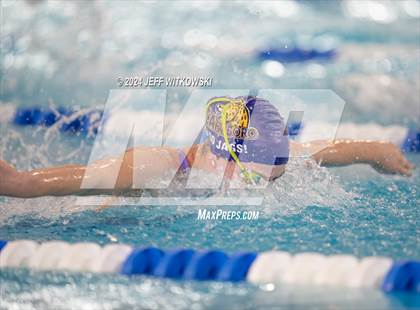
[(255, 130)]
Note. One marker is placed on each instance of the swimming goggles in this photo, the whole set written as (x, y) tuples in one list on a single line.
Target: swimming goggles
[(249, 176)]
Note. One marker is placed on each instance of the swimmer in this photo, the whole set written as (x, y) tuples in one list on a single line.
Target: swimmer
[(245, 134)]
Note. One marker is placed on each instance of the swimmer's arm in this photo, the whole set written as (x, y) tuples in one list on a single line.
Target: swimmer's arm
[(67, 180), (384, 157)]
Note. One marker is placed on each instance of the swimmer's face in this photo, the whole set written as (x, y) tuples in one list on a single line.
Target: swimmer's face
[(267, 172)]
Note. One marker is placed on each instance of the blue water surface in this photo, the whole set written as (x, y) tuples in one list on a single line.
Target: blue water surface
[(71, 53)]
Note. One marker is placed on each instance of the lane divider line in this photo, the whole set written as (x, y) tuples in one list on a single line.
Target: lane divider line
[(203, 265)]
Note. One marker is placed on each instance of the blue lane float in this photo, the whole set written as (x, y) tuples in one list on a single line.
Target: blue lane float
[(75, 122), (412, 141), (205, 265), (296, 54), (403, 276), (142, 261), (174, 263), (187, 264), (70, 121), (236, 267), (2, 244)]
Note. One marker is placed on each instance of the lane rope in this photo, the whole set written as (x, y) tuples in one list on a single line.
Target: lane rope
[(202, 265), (87, 122)]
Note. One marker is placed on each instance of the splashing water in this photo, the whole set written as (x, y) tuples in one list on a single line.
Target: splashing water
[(70, 54)]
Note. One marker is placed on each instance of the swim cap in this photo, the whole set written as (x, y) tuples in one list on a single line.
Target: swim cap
[(254, 127)]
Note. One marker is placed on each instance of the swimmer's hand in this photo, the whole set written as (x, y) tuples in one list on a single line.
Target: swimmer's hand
[(384, 157), (387, 158)]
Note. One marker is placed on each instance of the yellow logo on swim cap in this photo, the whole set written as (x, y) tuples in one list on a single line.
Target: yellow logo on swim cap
[(237, 118)]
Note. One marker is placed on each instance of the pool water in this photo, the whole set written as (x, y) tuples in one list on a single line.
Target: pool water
[(350, 210), (331, 211)]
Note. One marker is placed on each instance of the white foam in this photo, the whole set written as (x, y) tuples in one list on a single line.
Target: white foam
[(17, 253)]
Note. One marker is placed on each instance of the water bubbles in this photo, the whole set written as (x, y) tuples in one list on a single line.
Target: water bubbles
[(107, 38), (384, 65), (6, 43), (268, 287), (205, 5), (273, 68), (411, 7), (45, 27), (202, 60), (209, 41), (109, 47), (316, 71), (195, 37), (381, 13), (283, 9), (375, 95), (111, 238), (192, 37), (84, 37), (324, 43), (132, 53), (23, 44), (39, 60), (377, 11), (169, 40), (7, 3), (304, 42), (8, 61), (175, 58)]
